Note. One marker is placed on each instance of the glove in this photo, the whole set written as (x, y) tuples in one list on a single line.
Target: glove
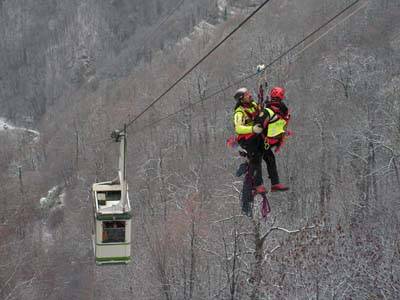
[(257, 129)]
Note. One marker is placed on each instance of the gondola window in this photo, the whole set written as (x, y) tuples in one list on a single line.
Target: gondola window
[(114, 232)]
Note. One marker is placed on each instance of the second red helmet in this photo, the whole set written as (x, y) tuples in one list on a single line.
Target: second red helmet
[(277, 92)]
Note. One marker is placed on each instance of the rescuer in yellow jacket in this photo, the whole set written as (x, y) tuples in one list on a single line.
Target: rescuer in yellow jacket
[(251, 124)]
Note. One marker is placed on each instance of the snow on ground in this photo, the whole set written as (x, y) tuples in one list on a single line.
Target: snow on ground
[(184, 41), (4, 126), (203, 28), (55, 196), (222, 5), (200, 29), (228, 10)]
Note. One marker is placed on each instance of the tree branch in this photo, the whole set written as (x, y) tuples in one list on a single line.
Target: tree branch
[(284, 230)]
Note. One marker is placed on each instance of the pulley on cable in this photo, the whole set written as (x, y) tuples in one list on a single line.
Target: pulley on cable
[(112, 213)]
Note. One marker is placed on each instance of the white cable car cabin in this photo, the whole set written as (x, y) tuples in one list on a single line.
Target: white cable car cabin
[(112, 234)]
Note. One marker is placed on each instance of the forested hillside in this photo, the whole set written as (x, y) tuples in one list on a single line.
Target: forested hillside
[(73, 71)]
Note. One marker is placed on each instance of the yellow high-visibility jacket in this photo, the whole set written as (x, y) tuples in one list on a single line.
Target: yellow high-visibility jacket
[(276, 124), (243, 121)]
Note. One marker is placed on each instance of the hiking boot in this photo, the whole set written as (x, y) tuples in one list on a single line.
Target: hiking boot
[(259, 190), (279, 187)]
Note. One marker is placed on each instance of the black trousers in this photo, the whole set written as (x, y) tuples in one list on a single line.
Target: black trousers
[(257, 152), (269, 158)]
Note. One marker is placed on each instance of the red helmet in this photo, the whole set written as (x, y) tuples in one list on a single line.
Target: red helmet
[(277, 92)]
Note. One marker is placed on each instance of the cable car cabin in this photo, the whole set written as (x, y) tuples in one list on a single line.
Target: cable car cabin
[(112, 236)]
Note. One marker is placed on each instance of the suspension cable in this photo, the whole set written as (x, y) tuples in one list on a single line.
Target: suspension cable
[(317, 30), (197, 63), (276, 59)]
